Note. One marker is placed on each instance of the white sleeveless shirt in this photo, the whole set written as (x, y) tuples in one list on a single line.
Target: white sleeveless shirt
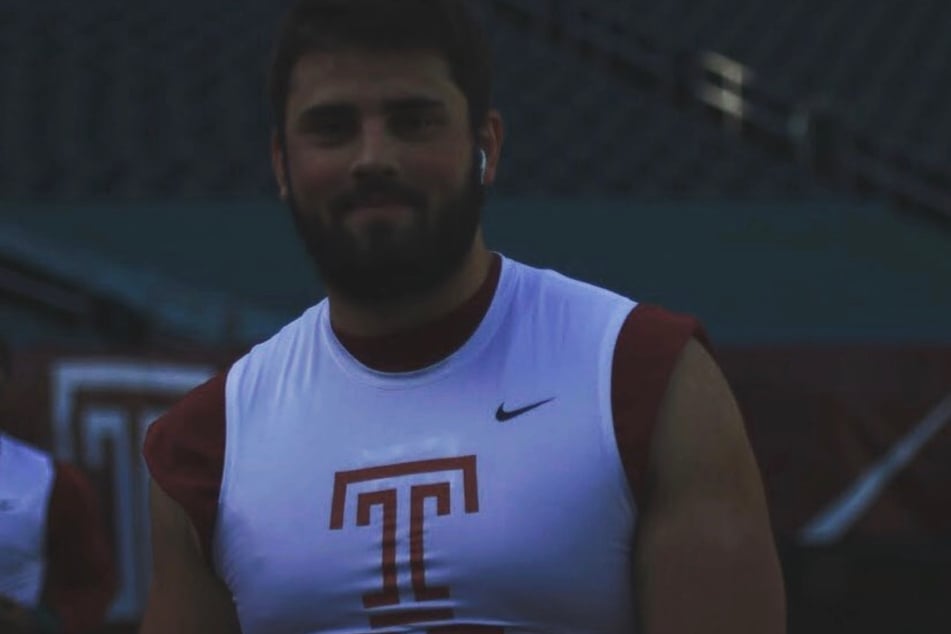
[(26, 483), (483, 493)]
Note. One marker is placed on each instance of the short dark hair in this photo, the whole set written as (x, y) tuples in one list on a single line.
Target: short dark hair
[(448, 27)]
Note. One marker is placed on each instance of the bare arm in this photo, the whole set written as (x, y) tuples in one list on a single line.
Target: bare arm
[(185, 597), (705, 558)]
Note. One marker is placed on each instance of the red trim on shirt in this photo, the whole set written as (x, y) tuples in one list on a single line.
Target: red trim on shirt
[(647, 350), (185, 450), (81, 576), (424, 345)]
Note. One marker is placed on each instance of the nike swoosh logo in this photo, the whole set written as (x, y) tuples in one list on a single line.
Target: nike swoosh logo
[(502, 416)]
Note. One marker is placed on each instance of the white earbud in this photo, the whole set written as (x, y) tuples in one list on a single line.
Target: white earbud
[(483, 161)]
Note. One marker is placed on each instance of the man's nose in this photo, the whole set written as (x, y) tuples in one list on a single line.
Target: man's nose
[(378, 153)]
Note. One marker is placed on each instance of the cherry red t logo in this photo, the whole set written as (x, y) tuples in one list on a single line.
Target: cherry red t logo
[(387, 499)]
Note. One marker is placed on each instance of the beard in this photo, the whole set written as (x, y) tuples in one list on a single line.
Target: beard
[(390, 264)]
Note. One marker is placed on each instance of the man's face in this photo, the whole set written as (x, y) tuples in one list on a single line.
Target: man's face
[(379, 171)]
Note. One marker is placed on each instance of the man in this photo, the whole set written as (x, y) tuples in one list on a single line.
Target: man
[(56, 569), (452, 441)]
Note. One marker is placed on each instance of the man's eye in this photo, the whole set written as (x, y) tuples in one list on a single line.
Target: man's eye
[(330, 130), (414, 123)]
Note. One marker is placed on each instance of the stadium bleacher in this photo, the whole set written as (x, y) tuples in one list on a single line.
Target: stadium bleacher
[(141, 102)]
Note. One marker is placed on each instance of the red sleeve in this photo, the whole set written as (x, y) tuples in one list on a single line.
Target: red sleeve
[(184, 450), (647, 350), (81, 575)]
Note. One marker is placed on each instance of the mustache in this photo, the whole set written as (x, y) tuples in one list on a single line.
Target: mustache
[(376, 192)]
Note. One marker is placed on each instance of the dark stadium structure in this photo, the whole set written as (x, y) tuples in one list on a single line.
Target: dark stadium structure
[(134, 101)]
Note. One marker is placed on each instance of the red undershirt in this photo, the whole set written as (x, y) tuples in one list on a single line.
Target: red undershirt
[(80, 578)]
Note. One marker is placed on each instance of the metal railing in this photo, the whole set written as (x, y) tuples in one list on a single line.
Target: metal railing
[(805, 128), (76, 286)]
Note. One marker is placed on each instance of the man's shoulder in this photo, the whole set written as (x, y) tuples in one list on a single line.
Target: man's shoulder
[(643, 321), (652, 321), (23, 448), (207, 398), (207, 401), (553, 284), (287, 339), (72, 492), (196, 419)]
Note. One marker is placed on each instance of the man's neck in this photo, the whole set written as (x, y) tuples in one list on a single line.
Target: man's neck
[(384, 319)]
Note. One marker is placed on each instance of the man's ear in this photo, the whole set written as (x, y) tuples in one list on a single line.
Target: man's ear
[(278, 164), (490, 138)]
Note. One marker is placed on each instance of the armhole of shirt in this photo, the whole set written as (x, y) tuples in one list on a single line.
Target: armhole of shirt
[(184, 450), (648, 347)]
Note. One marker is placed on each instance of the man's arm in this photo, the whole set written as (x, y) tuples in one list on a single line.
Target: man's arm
[(81, 579), (705, 558), (185, 597)]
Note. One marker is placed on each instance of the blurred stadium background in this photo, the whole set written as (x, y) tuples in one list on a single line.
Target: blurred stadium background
[(781, 169)]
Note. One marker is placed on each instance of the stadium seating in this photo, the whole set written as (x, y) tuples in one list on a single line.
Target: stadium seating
[(131, 101), (138, 101)]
